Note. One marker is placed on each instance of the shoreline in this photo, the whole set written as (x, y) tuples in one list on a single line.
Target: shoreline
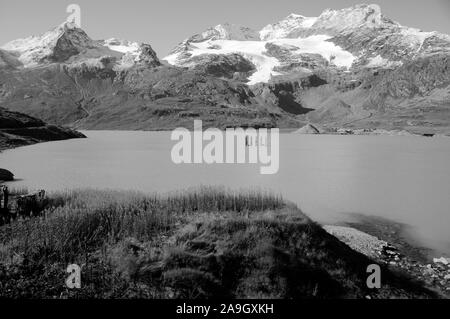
[(357, 132), (310, 129), (10, 140), (4, 146), (388, 243)]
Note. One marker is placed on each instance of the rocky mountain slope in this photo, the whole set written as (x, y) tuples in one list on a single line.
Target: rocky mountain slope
[(353, 67), (17, 129), (64, 77)]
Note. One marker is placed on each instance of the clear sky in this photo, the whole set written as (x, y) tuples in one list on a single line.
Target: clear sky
[(164, 24)]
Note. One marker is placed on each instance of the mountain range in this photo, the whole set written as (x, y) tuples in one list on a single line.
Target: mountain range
[(352, 68)]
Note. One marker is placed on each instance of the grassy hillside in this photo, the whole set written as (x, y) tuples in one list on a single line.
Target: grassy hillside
[(202, 243)]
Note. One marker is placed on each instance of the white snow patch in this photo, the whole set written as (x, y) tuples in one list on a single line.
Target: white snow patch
[(318, 44), (31, 47), (122, 46), (415, 36), (130, 52), (172, 58), (308, 22), (251, 50), (379, 61)]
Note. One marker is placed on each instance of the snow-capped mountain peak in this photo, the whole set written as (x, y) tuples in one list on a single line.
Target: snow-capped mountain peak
[(71, 45), (282, 29), (330, 22), (55, 45), (356, 37), (49, 38), (226, 31), (359, 16)]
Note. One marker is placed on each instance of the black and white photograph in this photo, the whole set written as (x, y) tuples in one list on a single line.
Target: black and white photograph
[(224, 156)]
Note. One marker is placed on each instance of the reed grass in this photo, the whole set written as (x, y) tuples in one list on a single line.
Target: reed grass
[(83, 220)]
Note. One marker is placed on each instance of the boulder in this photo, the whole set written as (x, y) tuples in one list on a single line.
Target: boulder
[(441, 260)]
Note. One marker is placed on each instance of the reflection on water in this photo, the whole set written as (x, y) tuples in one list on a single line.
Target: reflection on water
[(402, 178)]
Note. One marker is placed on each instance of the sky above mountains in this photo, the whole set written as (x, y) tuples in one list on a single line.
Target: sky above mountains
[(164, 24)]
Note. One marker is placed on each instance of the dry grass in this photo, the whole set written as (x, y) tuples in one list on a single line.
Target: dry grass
[(83, 220)]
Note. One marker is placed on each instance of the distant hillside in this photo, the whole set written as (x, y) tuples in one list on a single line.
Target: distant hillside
[(17, 129)]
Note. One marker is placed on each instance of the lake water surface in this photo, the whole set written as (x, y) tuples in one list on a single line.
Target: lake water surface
[(406, 179)]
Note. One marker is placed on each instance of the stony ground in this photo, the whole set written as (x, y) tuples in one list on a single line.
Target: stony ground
[(434, 274)]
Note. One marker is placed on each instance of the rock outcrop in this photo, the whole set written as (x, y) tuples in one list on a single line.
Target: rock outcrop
[(308, 129), (6, 175), (18, 129)]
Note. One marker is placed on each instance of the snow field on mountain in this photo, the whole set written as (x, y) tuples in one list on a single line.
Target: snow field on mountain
[(29, 47), (255, 51), (318, 44), (251, 50), (122, 46)]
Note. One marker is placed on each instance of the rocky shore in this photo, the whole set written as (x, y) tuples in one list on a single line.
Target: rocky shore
[(316, 129), (434, 274)]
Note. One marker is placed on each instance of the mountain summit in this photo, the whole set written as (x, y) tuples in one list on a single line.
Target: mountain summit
[(70, 45), (56, 45), (282, 29)]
